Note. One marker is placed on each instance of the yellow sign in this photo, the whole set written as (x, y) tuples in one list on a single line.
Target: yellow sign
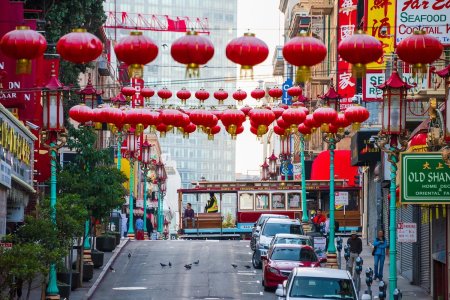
[(381, 24), (14, 142)]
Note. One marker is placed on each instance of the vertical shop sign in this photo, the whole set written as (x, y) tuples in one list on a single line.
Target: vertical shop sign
[(347, 18)]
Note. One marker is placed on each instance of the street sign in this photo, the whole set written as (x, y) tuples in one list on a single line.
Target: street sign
[(286, 98), (320, 243), (341, 198), (425, 178), (297, 171), (6, 246), (406, 232)]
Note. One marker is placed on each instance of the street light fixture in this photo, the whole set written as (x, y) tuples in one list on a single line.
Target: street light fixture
[(53, 137), (273, 166), (393, 139), (132, 154), (265, 171), (146, 149), (161, 177)]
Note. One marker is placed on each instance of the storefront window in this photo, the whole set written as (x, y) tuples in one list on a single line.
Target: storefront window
[(262, 201), (278, 201), (293, 200)]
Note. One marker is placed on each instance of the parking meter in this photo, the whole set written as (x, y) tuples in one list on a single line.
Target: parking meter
[(382, 290), (369, 280), (397, 294), (339, 249), (357, 276), (346, 252)]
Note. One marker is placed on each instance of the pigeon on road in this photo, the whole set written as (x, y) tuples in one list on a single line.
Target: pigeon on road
[(248, 267), (163, 265), (170, 264), (234, 266), (188, 267), (129, 254), (197, 262), (111, 269)]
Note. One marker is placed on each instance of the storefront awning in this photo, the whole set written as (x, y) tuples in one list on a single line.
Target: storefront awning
[(342, 167)]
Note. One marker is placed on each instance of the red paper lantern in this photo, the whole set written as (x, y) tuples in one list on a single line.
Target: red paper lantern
[(188, 129), (201, 117), (304, 52), (247, 51), (136, 50), (293, 117), (217, 113), (305, 130), (147, 92), (278, 111), (151, 118), (279, 130), (23, 44), (341, 122), (183, 95), (239, 96), (282, 105), (81, 113), (79, 46), (282, 123), (258, 94), (202, 95), (360, 49), (419, 50), (356, 115), (212, 131), (325, 116), (220, 95), (164, 94), (232, 119), (246, 110), (311, 122), (276, 93), (174, 118), (295, 91), (192, 50), (163, 129)]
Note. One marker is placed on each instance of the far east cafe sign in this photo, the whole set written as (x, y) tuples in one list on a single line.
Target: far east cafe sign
[(425, 178)]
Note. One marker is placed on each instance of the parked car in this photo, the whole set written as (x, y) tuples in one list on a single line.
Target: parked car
[(317, 283), (282, 258), (269, 228), (257, 227), (288, 238)]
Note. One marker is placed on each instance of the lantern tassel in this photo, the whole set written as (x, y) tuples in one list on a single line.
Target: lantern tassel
[(246, 72), (356, 126), (136, 71), (23, 66), (262, 129), (303, 74), (358, 70), (420, 69), (325, 127), (192, 70)]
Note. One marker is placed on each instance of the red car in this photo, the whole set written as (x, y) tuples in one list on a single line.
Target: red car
[(282, 258)]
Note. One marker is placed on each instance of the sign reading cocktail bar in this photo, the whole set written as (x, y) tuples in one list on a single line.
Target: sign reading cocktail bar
[(425, 178)]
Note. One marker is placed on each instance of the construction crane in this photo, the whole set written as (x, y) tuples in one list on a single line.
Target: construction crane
[(138, 21)]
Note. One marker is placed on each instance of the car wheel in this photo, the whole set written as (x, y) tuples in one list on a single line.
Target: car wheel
[(255, 263), (252, 244)]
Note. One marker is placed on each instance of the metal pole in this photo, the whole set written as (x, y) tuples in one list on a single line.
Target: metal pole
[(52, 288), (145, 199), (302, 158), (130, 222), (119, 150), (331, 246), (392, 228), (87, 242), (160, 221)]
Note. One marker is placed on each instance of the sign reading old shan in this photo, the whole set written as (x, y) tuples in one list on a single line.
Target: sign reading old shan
[(432, 16), (425, 178)]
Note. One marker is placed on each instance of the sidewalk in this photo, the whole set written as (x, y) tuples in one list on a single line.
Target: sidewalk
[(408, 290), (83, 293)]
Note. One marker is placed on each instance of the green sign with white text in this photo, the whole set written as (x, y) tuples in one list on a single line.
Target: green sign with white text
[(425, 178)]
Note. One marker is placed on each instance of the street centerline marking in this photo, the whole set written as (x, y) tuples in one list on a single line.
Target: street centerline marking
[(129, 288)]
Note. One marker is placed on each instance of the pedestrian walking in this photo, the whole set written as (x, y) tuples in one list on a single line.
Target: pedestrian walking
[(124, 228), (379, 254), (355, 245), (139, 229)]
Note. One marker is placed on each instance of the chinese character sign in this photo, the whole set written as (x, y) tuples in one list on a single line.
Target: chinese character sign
[(347, 18), (433, 16), (380, 23), (138, 84)]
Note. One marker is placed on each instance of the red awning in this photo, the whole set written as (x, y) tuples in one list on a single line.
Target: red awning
[(342, 167)]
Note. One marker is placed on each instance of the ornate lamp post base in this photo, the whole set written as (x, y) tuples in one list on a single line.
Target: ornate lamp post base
[(332, 260), (52, 297), (130, 236)]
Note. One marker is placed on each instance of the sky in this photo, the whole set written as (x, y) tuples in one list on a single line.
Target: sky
[(265, 20)]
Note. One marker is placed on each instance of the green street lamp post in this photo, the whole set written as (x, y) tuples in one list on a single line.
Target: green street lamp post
[(302, 161), (53, 137), (132, 153), (145, 167), (392, 139), (161, 177)]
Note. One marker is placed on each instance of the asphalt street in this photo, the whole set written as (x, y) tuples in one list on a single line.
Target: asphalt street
[(140, 276)]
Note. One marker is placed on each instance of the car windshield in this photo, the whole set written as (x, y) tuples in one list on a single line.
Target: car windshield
[(263, 218), (294, 254), (293, 241), (270, 229), (322, 288)]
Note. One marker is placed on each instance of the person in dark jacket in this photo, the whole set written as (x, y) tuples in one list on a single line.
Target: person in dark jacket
[(380, 244), (189, 215), (355, 245)]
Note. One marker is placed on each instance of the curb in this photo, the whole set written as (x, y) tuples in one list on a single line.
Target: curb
[(119, 248)]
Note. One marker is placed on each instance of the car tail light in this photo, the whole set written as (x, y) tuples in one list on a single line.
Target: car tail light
[(273, 270)]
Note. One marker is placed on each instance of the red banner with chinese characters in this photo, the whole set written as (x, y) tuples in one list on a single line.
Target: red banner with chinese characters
[(347, 18)]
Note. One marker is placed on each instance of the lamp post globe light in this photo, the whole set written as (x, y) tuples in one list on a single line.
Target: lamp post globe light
[(265, 171), (53, 137), (161, 178), (146, 149), (393, 139), (132, 153)]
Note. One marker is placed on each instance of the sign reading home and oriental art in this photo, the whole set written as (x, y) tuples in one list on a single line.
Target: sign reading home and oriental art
[(425, 178), (380, 22), (347, 18), (406, 232), (432, 16)]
